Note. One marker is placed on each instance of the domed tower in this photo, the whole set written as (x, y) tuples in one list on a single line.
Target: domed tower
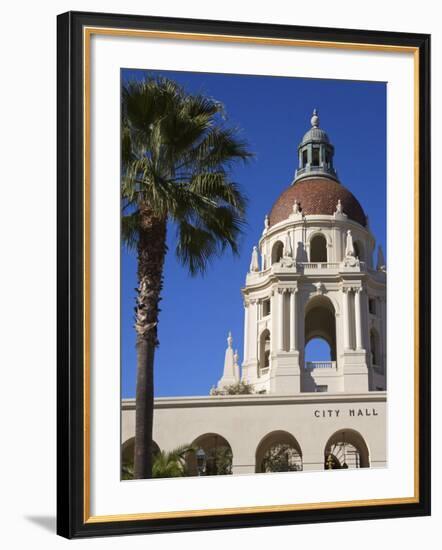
[(312, 276)]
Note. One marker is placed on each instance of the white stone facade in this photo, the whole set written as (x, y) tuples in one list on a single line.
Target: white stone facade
[(292, 298), (249, 423)]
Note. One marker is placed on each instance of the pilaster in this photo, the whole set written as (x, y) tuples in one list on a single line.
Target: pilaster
[(285, 374), (250, 364), (356, 376), (293, 319)]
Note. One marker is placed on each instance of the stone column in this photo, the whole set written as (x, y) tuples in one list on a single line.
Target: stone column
[(293, 327), (280, 319), (345, 318), (243, 459), (358, 324), (274, 324), (300, 325), (383, 331), (250, 360), (246, 331), (253, 327)]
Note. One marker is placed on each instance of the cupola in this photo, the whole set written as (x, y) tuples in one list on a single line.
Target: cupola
[(315, 153)]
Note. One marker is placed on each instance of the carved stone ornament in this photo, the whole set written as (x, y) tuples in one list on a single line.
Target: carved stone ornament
[(320, 288), (286, 261), (266, 224)]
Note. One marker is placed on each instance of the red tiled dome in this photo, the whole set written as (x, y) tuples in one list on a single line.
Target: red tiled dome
[(317, 196)]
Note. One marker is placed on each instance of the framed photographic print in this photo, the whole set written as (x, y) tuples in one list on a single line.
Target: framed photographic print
[(243, 274)]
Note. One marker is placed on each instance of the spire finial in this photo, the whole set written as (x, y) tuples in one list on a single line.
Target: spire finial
[(229, 339), (349, 248), (380, 265), (315, 119), (254, 262), (266, 224)]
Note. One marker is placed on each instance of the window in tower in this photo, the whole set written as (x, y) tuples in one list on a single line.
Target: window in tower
[(372, 306), (375, 347), (266, 307), (304, 158), (277, 252), (315, 156), (264, 351), (318, 249)]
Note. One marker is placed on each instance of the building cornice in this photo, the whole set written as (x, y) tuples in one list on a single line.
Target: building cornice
[(254, 399)]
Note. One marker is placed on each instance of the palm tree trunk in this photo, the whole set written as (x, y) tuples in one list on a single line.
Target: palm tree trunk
[(151, 253)]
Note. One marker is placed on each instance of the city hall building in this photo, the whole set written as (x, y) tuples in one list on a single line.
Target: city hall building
[(311, 276)]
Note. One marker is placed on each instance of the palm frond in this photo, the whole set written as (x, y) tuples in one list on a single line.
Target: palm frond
[(171, 463), (214, 185), (218, 149), (196, 247), (177, 157), (129, 229)]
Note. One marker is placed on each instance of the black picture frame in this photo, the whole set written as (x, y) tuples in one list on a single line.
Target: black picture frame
[(71, 518)]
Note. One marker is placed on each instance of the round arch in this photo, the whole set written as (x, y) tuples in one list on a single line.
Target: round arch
[(346, 448), (278, 451), (264, 350), (128, 450), (318, 246), (317, 349), (277, 252), (320, 322), (128, 455), (315, 233), (217, 455)]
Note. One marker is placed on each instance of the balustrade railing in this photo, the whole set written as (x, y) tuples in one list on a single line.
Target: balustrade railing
[(309, 266), (319, 265), (320, 365)]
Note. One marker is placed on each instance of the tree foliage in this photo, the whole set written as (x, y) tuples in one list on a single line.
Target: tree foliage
[(177, 159), (240, 388), (172, 463), (281, 457), (178, 156), (219, 461), (165, 463)]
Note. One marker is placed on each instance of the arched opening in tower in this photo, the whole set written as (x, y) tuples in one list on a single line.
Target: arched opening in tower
[(320, 326), (318, 249), (264, 352), (318, 349), (277, 252)]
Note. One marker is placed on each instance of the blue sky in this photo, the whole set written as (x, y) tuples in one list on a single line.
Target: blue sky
[(273, 114)]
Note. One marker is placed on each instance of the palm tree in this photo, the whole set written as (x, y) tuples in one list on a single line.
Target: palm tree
[(177, 158), (171, 463), (127, 471)]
